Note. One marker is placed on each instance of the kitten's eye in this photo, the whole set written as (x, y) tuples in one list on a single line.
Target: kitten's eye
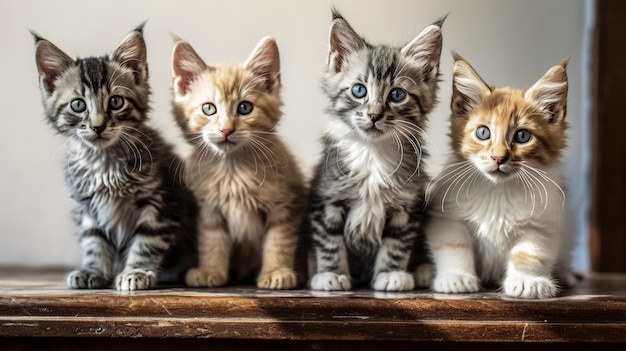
[(397, 94), (209, 109), (359, 90), (78, 105), (244, 108), (116, 102), (483, 133), (522, 136)]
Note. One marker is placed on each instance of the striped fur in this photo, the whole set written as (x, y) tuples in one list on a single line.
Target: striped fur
[(498, 207), (367, 195), (136, 221)]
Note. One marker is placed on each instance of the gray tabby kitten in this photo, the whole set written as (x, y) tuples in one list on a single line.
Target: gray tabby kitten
[(136, 221), (367, 196)]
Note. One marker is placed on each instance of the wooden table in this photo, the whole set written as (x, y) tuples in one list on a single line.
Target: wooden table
[(37, 311)]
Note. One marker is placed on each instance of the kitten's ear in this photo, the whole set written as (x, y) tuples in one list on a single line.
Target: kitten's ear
[(425, 50), (51, 62), (468, 89), (132, 53), (343, 40), (186, 66), (550, 92), (264, 62)]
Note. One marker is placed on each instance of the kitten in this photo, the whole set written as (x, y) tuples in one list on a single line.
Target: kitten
[(250, 190), (367, 195), (498, 208), (136, 221)]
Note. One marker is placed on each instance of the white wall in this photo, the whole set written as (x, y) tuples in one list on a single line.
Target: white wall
[(509, 42)]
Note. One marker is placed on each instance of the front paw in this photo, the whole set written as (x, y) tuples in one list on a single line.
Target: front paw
[(456, 283), (203, 277), (278, 279), (529, 287), (136, 279), (82, 279), (330, 281), (393, 281)]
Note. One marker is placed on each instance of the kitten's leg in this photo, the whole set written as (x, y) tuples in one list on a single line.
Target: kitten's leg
[(214, 249), (331, 256), (394, 253), (150, 242), (530, 265), (279, 249), (451, 248), (97, 258)]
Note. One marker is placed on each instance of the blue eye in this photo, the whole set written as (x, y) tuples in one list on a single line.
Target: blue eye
[(483, 133), (244, 108), (209, 109), (359, 90), (397, 94), (522, 136), (78, 105), (116, 102)]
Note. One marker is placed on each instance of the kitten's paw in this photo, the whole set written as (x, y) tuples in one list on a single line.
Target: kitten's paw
[(200, 277), (136, 279), (82, 279), (330, 281), (529, 287), (424, 275), (278, 279), (393, 281), (456, 283)]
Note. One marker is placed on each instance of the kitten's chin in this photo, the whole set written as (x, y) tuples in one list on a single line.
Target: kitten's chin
[(99, 142), (499, 176)]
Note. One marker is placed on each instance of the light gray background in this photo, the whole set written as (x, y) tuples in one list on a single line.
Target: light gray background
[(509, 42)]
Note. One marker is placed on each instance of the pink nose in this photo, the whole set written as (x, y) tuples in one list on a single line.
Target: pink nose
[(227, 132), (500, 160)]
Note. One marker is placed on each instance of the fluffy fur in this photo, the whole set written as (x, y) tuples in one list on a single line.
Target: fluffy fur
[(136, 221), (367, 196), (250, 189), (498, 208)]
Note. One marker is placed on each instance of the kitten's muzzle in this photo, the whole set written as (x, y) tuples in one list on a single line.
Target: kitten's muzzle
[(98, 129)]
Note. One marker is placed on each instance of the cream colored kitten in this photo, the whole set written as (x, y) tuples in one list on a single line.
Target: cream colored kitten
[(499, 213), (249, 187)]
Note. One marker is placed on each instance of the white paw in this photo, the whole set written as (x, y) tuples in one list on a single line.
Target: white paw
[(201, 277), (456, 283), (424, 275), (82, 279), (330, 281), (278, 279), (529, 287), (393, 281), (136, 279)]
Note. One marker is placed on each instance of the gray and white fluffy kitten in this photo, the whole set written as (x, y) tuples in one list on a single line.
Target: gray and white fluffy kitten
[(366, 206), (136, 222)]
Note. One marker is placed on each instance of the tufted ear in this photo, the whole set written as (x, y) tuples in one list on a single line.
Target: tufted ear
[(186, 66), (425, 50), (550, 92), (264, 62), (51, 62), (343, 40), (132, 53), (468, 89)]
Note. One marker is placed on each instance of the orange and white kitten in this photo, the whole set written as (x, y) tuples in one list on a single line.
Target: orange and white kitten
[(250, 190), (498, 208)]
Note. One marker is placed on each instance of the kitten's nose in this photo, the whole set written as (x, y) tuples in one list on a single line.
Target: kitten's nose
[(98, 129), (375, 117), (227, 132), (500, 159)]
